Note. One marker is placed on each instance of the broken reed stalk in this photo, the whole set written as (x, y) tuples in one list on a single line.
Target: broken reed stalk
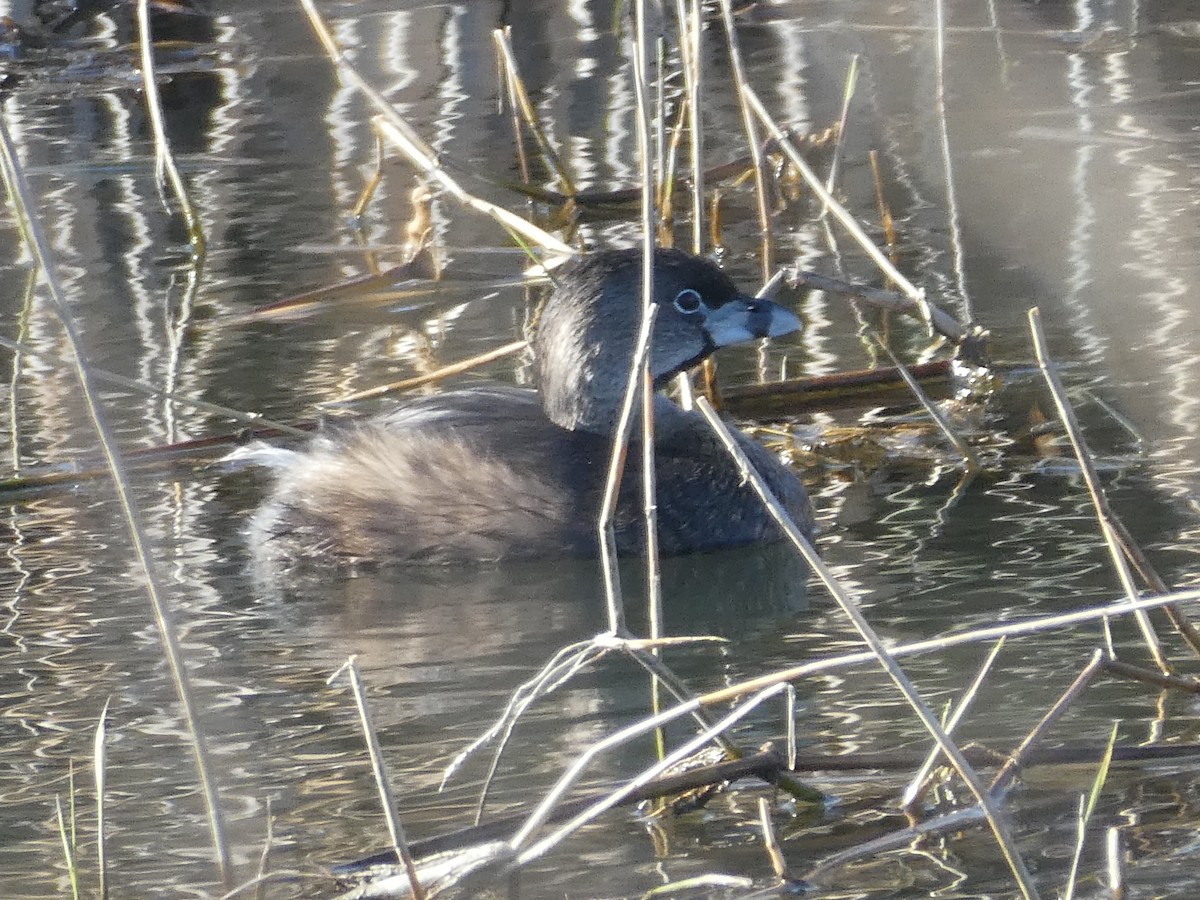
[(18, 348), (1016, 759), (943, 323), (1103, 511), (164, 159), (21, 197), (396, 129), (964, 449), (881, 653), (916, 784), (760, 175), (644, 378), (379, 770), (839, 212), (542, 813), (843, 120), (522, 103), (430, 377), (99, 772), (616, 466), (770, 842)]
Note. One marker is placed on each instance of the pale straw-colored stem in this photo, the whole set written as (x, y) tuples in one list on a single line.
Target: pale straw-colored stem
[(881, 653), (164, 159)]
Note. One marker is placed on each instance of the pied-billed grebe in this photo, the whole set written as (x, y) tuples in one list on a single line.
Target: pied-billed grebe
[(499, 473)]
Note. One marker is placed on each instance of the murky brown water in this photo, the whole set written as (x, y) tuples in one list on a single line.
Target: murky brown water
[(1074, 157)]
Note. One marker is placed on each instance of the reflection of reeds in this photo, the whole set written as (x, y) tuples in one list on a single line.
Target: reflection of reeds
[(164, 159), (21, 196)]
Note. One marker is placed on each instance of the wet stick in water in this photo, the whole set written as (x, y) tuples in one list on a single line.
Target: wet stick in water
[(39, 247)]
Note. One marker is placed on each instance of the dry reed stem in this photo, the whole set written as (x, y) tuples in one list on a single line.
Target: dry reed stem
[(1104, 513), (843, 121), (689, 25), (264, 858), (14, 382), (99, 772), (17, 347), (916, 784), (760, 176), (1037, 625), (164, 159), (541, 814), (968, 455), (21, 197), (839, 212), (616, 466), (379, 770), (943, 323), (394, 127), (644, 378), (433, 377), (67, 847), (881, 653), (520, 99), (1016, 759), (770, 842)]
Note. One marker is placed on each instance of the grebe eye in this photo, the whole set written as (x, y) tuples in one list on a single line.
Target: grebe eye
[(688, 301)]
